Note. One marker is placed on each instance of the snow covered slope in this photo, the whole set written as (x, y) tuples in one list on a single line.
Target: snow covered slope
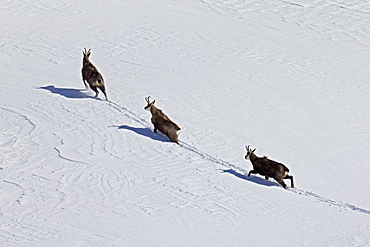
[(288, 78)]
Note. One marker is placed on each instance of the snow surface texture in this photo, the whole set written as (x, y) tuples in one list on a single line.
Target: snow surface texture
[(288, 78)]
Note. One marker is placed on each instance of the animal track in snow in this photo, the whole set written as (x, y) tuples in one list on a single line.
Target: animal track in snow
[(341, 205), (234, 168)]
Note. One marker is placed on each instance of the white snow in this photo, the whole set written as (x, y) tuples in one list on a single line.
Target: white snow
[(290, 78)]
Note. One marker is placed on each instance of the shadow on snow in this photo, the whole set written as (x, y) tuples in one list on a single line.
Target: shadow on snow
[(253, 179), (68, 92), (145, 132)]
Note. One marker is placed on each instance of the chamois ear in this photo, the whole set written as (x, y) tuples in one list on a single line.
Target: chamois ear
[(254, 150), (153, 102)]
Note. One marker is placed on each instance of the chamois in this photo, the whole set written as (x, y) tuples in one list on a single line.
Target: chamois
[(268, 168), (92, 75), (161, 122)]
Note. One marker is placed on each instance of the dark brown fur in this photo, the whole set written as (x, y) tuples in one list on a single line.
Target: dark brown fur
[(162, 123), (268, 168), (92, 75)]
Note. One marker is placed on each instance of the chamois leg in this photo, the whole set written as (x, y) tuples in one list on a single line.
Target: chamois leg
[(282, 183), (172, 134), (155, 128), (105, 94), (174, 138), (291, 180), (95, 90), (84, 83), (102, 88), (267, 177)]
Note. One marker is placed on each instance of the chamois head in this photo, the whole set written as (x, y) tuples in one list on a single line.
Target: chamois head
[(149, 104), (249, 152), (86, 55)]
